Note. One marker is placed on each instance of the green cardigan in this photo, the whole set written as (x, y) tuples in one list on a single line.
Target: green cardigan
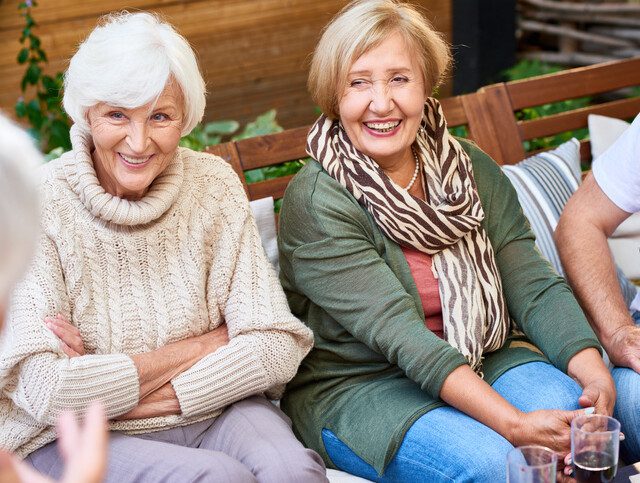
[(375, 367)]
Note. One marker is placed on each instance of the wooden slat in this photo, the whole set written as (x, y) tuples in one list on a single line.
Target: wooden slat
[(273, 149), (272, 187), (573, 83), (576, 119), (480, 126), (585, 150), (454, 111), (502, 135), (229, 153)]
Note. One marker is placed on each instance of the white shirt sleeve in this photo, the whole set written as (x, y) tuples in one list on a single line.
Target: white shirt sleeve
[(617, 170)]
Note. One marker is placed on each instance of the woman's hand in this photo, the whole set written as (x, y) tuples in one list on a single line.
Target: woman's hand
[(162, 402), (599, 393), (550, 428), (69, 335), (84, 451), (598, 388)]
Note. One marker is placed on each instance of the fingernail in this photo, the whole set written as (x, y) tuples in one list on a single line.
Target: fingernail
[(621, 436), (590, 410)]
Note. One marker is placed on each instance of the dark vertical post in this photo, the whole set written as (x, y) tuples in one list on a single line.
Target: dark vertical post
[(484, 41)]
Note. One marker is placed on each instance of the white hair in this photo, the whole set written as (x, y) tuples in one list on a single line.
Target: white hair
[(127, 61), (19, 207)]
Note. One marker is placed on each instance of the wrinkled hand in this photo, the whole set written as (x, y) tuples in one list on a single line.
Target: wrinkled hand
[(623, 347), (69, 335), (84, 451), (600, 394), (550, 428)]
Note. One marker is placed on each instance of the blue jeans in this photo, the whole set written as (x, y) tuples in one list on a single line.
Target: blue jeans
[(446, 445), (627, 409)]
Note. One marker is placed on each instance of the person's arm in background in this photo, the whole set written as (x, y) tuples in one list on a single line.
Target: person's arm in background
[(588, 219)]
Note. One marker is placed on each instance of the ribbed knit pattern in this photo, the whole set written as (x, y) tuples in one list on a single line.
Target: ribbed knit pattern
[(134, 276)]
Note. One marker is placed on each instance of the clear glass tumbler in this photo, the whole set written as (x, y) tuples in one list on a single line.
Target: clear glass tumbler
[(531, 464), (595, 441)]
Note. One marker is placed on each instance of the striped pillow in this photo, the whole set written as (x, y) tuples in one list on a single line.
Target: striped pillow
[(544, 183)]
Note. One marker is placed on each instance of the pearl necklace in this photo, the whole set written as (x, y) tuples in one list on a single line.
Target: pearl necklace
[(415, 172)]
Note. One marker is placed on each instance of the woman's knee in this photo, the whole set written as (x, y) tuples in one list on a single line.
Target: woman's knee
[(293, 466), (538, 385), (203, 466)]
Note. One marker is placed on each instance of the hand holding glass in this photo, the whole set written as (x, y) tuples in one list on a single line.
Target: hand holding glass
[(595, 441)]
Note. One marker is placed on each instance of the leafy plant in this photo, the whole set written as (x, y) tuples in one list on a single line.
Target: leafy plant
[(531, 68), (49, 123)]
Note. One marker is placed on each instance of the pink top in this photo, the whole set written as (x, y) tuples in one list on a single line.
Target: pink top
[(420, 266)]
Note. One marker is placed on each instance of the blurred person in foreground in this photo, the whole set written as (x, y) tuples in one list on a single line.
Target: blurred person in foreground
[(607, 197), (442, 338), (84, 450), (150, 290)]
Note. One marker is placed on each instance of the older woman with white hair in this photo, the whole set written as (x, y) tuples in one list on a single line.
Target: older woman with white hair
[(443, 339), (84, 450), (150, 290)]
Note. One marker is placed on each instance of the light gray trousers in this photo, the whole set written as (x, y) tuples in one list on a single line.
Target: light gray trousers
[(250, 441)]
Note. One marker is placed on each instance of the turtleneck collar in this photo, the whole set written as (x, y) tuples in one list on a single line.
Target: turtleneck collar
[(81, 175)]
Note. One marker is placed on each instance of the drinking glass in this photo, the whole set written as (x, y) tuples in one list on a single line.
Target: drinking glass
[(531, 464), (595, 441)]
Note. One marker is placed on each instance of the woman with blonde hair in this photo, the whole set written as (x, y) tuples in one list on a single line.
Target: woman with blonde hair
[(149, 290), (442, 338)]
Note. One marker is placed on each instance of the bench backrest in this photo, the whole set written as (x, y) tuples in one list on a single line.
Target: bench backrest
[(490, 117), (599, 82)]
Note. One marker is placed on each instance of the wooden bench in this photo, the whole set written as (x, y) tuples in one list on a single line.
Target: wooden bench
[(489, 115)]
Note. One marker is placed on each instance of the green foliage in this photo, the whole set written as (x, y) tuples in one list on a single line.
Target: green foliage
[(49, 123), (216, 132), (531, 68)]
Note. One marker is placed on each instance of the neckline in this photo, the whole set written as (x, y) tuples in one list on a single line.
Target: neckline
[(81, 176)]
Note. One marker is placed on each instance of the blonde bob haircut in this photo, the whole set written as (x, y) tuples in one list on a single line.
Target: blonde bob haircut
[(126, 62), (361, 26)]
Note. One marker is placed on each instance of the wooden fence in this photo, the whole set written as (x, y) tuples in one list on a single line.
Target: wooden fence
[(253, 53)]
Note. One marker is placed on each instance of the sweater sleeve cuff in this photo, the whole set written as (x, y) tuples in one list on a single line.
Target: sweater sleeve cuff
[(567, 353), (449, 362), (226, 376), (111, 379)]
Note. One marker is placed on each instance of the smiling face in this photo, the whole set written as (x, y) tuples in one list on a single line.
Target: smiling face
[(381, 106), (133, 146)]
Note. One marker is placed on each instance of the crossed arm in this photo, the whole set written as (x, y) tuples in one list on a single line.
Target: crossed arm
[(155, 368)]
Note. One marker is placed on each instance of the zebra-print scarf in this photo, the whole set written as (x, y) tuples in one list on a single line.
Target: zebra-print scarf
[(446, 226)]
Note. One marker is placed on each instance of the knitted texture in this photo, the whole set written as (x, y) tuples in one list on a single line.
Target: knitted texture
[(134, 276)]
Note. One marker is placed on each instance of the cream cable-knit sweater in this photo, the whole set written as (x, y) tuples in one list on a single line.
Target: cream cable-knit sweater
[(134, 276)]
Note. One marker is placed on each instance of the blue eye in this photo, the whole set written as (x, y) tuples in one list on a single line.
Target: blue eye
[(160, 117), (117, 115)]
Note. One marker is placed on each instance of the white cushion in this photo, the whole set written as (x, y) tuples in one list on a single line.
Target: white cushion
[(265, 219), (336, 476), (625, 242)]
